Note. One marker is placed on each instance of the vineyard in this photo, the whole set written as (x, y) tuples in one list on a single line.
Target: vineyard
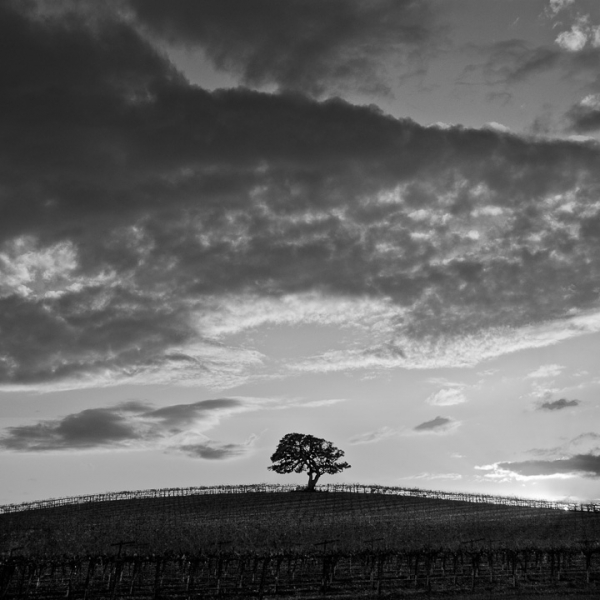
[(263, 543)]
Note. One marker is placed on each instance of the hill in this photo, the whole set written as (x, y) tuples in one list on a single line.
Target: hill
[(280, 521), (336, 544)]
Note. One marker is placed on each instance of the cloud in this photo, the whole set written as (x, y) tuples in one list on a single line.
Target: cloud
[(134, 424), (456, 351), (585, 116), (582, 465), (284, 404), (497, 127), (558, 404), (211, 450), (447, 397), (239, 313), (172, 418), (134, 406), (586, 437), (90, 428), (581, 33), (30, 272), (543, 391), (546, 371), (437, 425), (513, 61), (147, 221), (321, 403), (487, 372), (555, 6), (577, 457), (434, 476), (305, 45), (575, 39), (584, 443), (371, 437)]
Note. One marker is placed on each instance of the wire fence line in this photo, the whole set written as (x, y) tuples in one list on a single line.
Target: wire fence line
[(357, 488)]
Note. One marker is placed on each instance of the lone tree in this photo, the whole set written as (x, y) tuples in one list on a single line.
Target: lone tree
[(298, 452)]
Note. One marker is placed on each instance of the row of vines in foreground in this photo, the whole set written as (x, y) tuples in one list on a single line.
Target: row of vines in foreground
[(369, 573), (274, 488)]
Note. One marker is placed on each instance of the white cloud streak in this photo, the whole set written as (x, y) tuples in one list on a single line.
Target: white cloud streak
[(447, 397), (456, 351), (436, 476), (546, 371), (229, 315), (34, 272), (372, 437)]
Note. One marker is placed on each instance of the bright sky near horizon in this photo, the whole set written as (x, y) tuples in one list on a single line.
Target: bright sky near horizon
[(377, 222)]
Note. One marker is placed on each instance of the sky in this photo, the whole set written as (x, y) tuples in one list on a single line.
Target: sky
[(372, 221)]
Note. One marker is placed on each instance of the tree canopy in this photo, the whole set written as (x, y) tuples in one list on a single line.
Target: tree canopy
[(298, 452)]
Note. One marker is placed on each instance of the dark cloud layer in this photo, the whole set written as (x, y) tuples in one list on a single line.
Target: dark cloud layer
[(584, 119), (558, 404), (215, 450), (175, 417), (307, 45), (132, 201), (586, 465), (90, 428), (129, 424), (437, 424)]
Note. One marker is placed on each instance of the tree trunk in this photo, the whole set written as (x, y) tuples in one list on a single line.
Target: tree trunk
[(312, 481)]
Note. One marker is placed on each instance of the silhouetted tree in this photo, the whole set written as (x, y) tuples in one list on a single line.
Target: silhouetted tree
[(298, 452)]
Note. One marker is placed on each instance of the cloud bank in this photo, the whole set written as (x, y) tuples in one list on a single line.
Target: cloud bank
[(140, 213), (577, 457), (305, 45), (560, 404), (437, 425), (581, 465), (581, 34), (134, 425), (585, 116)]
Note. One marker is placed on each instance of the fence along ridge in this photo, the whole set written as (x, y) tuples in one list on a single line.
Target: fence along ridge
[(274, 487)]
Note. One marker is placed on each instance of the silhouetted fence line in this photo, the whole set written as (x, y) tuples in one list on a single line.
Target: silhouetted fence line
[(273, 488), (459, 496)]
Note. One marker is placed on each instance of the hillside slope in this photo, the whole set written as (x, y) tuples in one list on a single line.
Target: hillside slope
[(289, 521)]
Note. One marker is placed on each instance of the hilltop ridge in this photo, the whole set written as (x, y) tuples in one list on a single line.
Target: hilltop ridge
[(264, 517), (273, 488)]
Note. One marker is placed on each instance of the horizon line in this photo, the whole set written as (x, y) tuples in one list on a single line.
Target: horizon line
[(476, 498)]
